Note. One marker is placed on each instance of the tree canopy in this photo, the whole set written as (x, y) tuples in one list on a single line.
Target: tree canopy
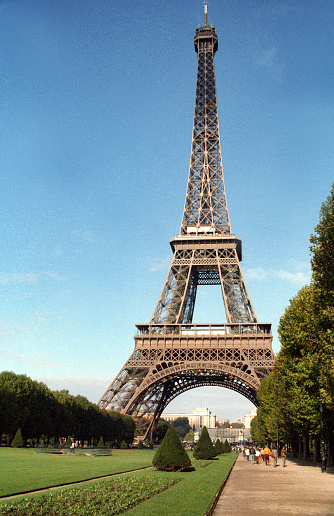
[(51, 415)]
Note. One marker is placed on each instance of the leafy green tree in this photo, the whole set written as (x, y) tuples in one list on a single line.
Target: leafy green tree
[(161, 429), (171, 456), (9, 407), (34, 402), (182, 427), (204, 448), (322, 263), (190, 437)]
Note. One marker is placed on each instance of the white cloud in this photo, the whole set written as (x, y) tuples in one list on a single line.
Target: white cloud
[(87, 235), (268, 58), (7, 278), (92, 387), (160, 264), (260, 274), (13, 277), (22, 358)]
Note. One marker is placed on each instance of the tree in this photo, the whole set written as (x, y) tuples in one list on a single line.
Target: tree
[(189, 437), (161, 429), (322, 263), (204, 448), (182, 427), (237, 425), (171, 456)]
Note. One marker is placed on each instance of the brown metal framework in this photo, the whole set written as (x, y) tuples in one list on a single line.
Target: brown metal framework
[(171, 353)]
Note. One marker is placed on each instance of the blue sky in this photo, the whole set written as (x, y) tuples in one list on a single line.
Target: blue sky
[(96, 107)]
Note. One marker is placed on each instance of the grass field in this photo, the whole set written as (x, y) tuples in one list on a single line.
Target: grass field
[(22, 470)]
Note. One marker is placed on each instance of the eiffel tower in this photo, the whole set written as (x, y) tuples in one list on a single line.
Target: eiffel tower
[(172, 354)]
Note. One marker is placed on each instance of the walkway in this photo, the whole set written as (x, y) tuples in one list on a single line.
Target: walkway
[(264, 490)]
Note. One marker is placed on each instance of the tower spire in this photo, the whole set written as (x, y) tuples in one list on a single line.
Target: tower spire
[(205, 13)]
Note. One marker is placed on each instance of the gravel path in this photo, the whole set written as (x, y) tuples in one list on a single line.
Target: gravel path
[(264, 490)]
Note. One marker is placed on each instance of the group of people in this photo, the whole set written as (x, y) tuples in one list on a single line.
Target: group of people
[(255, 454)]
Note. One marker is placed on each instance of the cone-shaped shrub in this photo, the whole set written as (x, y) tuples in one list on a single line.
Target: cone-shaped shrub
[(226, 446), (171, 456), (218, 447), (18, 442), (204, 448), (123, 445), (101, 443)]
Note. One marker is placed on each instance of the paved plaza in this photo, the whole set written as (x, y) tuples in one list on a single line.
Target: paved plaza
[(264, 490)]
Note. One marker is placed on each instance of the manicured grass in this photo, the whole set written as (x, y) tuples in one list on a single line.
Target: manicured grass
[(101, 497), (23, 470), (192, 495)]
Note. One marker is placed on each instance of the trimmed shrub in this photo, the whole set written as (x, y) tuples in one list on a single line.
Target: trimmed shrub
[(123, 445), (171, 456), (18, 442), (204, 448), (218, 447), (101, 443), (226, 447)]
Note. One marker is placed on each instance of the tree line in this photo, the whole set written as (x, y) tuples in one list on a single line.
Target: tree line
[(298, 396), (47, 415)]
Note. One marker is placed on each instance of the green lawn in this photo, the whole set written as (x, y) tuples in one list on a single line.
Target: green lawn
[(22, 470)]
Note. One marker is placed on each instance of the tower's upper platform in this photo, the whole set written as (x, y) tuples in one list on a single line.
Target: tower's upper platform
[(206, 32)]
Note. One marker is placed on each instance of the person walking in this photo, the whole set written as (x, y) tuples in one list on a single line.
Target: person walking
[(252, 455), (257, 455), (266, 453), (283, 455), (247, 453), (274, 456)]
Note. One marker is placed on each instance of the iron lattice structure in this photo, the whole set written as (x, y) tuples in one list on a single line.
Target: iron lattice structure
[(171, 354)]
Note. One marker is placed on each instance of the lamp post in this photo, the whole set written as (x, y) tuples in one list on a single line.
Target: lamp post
[(322, 432)]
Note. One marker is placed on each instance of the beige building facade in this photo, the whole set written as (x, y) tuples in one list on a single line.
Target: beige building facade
[(199, 418)]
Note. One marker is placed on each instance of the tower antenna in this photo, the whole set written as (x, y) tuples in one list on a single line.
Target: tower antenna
[(205, 13)]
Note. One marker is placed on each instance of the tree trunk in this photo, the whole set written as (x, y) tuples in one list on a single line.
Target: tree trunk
[(300, 448), (330, 454), (316, 449)]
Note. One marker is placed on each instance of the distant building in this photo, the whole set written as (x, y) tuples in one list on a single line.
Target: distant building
[(199, 418), (233, 435)]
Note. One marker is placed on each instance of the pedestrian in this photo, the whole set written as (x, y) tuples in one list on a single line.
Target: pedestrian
[(247, 453), (72, 447), (252, 455), (274, 456), (262, 454), (257, 455), (266, 453), (283, 455)]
